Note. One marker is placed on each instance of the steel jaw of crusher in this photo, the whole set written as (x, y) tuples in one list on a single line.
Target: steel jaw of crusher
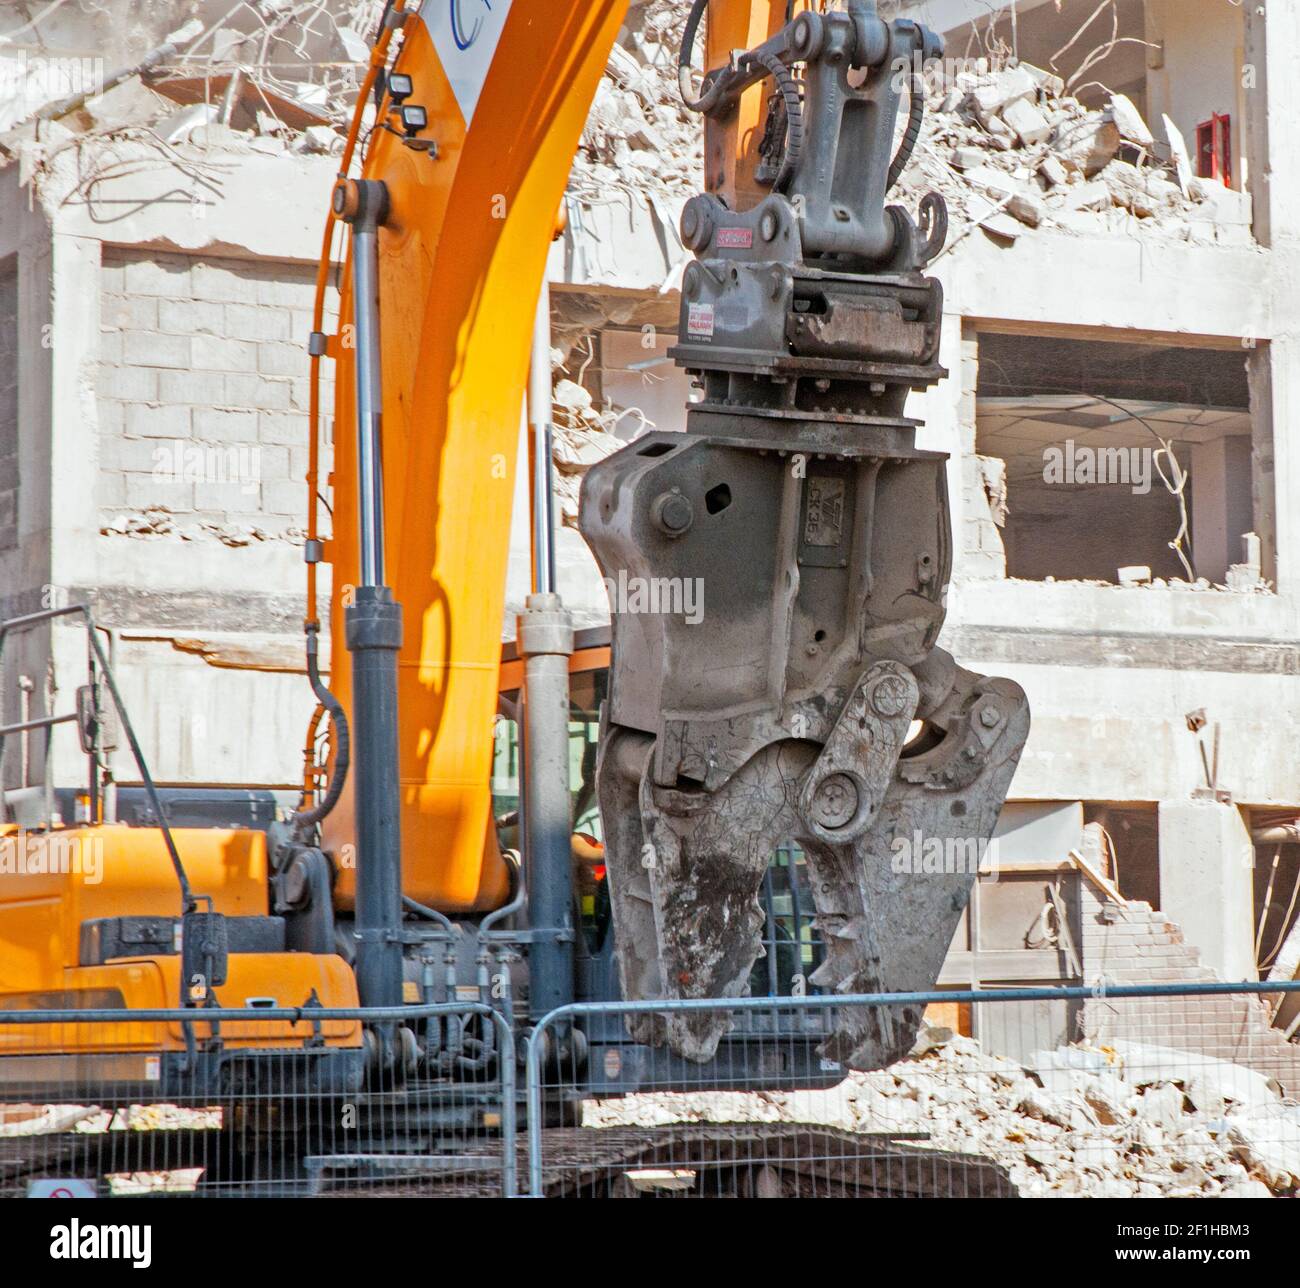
[(783, 714), (794, 544)]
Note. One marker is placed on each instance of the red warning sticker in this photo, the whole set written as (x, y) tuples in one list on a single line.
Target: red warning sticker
[(735, 238), (699, 321)]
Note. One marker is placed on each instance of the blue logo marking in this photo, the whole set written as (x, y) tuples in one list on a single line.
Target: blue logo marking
[(463, 41)]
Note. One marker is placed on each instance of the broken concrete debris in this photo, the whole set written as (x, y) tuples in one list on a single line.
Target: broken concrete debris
[(249, 109), (157, 522), (1128, 120), (639, 134), (1011, 134), (582, 436), (1030, 125), (1049, 161), (1118, 1121)]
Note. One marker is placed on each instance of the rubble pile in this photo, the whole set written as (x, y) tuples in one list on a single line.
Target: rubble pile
[(1080, 1121), (639, 134), (159, 522), (138, 110), (233, 80), (582, 435), (1010, 151)]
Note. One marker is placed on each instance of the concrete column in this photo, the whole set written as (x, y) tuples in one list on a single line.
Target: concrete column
[(1221, 504), (1259, 368), (25, 571), (1282, 404), (1273, 106), (1272, 92), (947, 413), (72, 517), (1207, 882)]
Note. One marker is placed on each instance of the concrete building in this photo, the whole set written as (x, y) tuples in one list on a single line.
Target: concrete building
[(152, 434), (1097, 327)]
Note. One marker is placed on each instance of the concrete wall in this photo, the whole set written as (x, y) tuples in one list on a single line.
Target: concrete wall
[(1196, 70), (202, 388), (25, 243), (161, 345), (1111, 672)]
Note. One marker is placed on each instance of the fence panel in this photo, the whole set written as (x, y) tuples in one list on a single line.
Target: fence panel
[(1162, 1091), (1171, 1090), (255, 1102)]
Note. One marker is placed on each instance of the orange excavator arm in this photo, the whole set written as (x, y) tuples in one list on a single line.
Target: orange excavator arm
[(472, 201)]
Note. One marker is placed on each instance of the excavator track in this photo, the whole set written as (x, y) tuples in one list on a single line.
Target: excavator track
[(699, 1160), (730, 1160)]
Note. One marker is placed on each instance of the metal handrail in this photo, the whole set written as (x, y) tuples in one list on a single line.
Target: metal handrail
[(189, 901), (1102, 989), (314, 1014)]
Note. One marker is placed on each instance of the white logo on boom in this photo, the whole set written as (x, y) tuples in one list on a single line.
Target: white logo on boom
[(466, 34)]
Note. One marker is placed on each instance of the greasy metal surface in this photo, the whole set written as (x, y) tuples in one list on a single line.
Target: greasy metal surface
[(798, 516), (810, 1161)]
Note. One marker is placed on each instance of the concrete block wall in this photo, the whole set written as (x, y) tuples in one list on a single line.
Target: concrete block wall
[(983, 553), (979, 551), (9, 404), (1142, 946), (202, 389)]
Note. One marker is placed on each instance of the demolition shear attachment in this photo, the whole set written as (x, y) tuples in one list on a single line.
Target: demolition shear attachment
[(805, 700)]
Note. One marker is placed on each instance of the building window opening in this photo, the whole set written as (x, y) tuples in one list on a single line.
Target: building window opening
[(1112, 463)]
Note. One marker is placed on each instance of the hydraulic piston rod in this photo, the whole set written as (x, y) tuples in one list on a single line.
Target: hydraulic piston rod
[(374, 634), (546, 642)]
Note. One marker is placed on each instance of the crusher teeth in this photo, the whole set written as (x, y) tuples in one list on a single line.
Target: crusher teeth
[(863, 1038), (883, 928)]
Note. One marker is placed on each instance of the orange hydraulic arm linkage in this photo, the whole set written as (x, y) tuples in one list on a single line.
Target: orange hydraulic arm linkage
[(472, 195)]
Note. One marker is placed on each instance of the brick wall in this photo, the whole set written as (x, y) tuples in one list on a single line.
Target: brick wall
[(9, 404), (202, 389), (1130, 943)]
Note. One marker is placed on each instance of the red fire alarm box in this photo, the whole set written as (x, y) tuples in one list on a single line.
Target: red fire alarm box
[(1214, 149)]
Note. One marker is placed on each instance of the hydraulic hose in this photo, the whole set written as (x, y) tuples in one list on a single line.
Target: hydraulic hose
[(689, 36), (915, 116), (308, 818), (788, 88)]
